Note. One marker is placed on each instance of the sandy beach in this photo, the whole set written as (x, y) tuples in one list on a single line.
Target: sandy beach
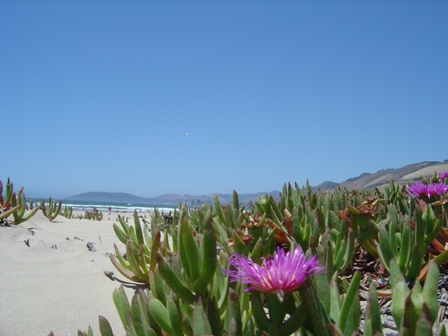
[(56, 283)]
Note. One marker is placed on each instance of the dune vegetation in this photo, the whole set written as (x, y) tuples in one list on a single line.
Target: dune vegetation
[(344, 262)]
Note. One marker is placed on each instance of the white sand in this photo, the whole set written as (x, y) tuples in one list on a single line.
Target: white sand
[(57, 284)]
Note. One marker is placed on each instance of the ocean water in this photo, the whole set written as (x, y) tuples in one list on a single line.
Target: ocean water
[(115, 207)]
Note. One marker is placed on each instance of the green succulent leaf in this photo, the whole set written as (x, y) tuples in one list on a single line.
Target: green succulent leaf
[(122, 304), (399, 292), (121, 235), (160, 315), (172, 280), (374, 310), (154, 249), (191, 254), (429, 293), (350, 305), (201, 326), (258, 311), (105, 328), (209, 258)]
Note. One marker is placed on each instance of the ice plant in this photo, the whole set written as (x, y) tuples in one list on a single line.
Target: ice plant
[(422, 190), (280, 274), (443, 176)]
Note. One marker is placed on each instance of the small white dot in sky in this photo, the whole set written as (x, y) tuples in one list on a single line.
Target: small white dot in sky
[(186, 134)]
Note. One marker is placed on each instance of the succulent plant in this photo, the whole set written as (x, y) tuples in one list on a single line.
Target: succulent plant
[(93, 214), (51, 209), (15, 205), (68, 212), (414, 310), (188, 263)]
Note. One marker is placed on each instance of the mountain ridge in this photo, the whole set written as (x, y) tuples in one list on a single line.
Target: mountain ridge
[(380, 179)]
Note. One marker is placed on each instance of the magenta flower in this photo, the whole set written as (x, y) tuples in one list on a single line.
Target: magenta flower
[(282, 273), (443, 176), (422, 190)]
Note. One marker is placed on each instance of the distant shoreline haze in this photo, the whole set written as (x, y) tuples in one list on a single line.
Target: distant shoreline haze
[(380, 179)]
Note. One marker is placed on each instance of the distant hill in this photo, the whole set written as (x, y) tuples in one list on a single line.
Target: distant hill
[(380, 179), (166, 199), (107, 197)]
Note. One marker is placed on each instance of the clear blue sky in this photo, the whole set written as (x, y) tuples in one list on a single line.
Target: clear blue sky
[(100, 95)]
